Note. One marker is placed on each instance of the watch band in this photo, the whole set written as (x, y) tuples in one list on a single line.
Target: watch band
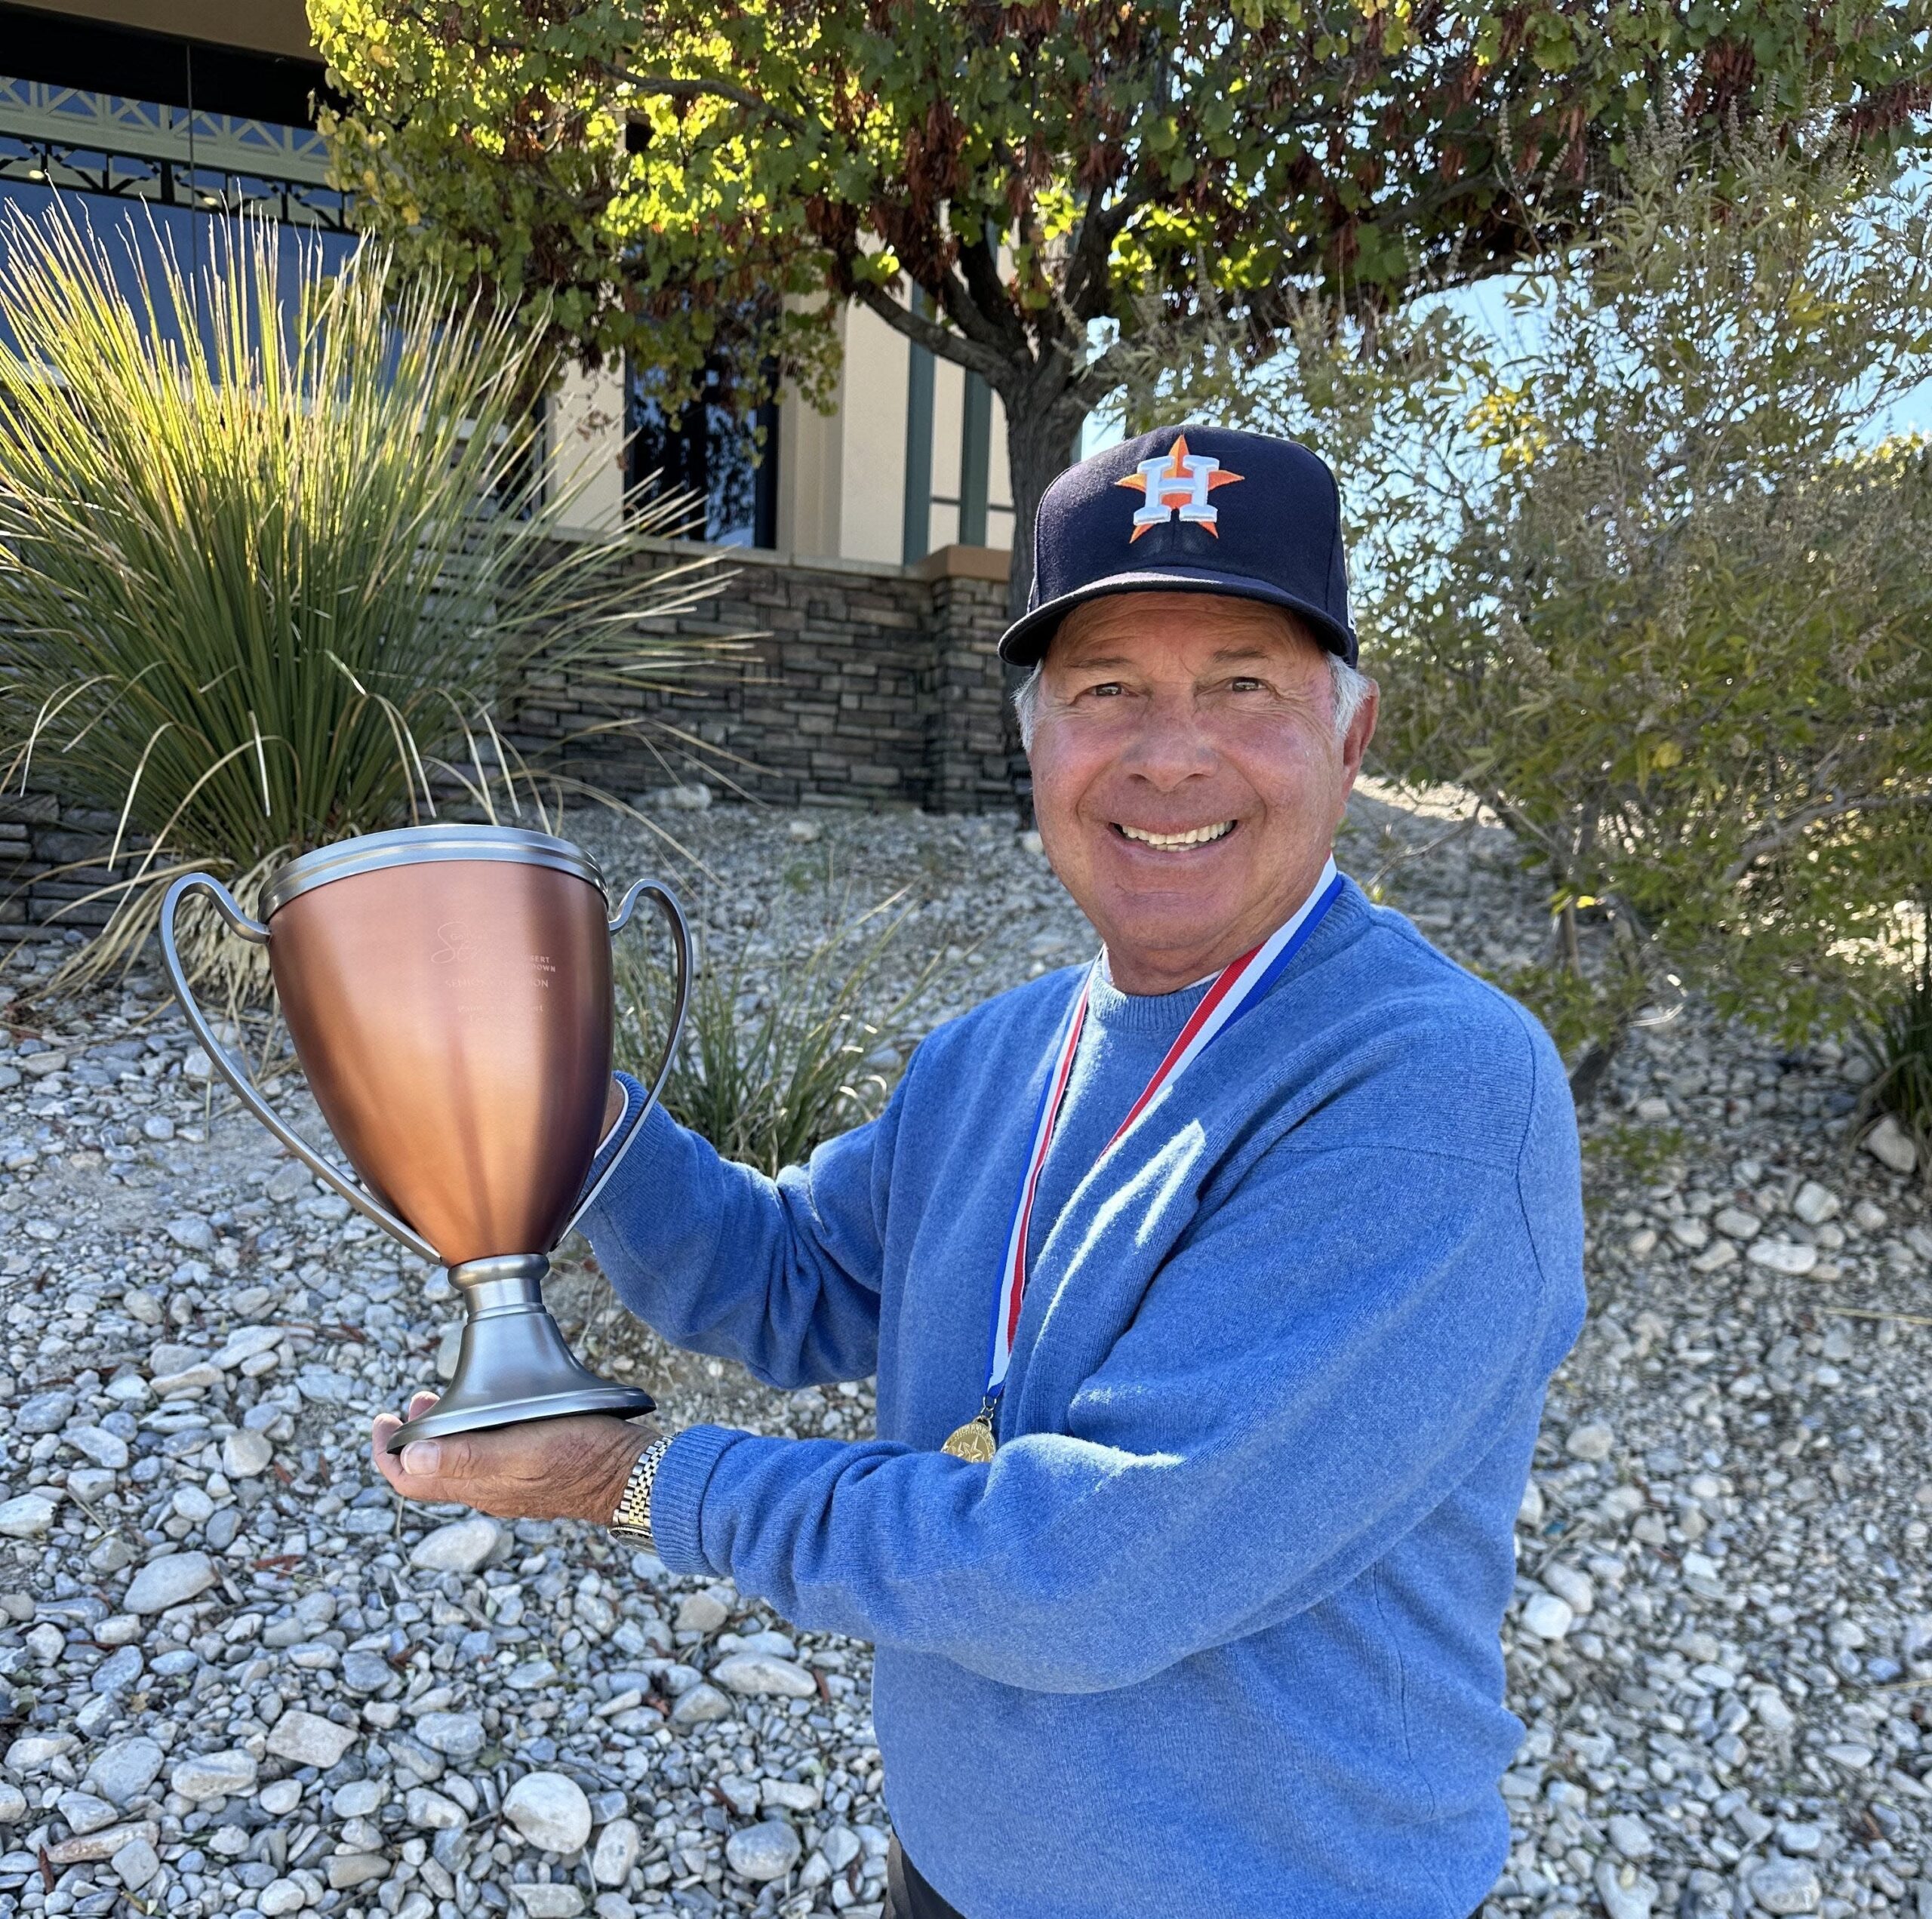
[(630, 1522)]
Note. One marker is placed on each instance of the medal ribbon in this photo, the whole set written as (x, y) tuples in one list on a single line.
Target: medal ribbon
[(1236, 988)]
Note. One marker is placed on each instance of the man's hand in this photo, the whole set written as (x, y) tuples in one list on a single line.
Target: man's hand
[(573, 1468)]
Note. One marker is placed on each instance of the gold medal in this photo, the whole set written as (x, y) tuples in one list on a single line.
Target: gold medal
[(974, 1441)]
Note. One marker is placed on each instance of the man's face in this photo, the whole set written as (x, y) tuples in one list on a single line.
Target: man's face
[(1187, 777)]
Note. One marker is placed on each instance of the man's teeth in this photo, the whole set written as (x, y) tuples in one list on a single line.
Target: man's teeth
[(1197, 836)]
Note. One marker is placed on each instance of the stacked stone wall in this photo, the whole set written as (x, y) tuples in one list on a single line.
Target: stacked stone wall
[(855, 685)]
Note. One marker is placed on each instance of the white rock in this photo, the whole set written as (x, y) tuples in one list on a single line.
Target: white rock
[(1627, 1892), (171, 1580), (105, 1448), (1631, 1836), (699, 1706), (306, 1738), (1592, 1441), (279, 1896), (193, 1234), (701, 1612), (1814, 1204), (215, 1775), (136, 1863), (280, 1797), (618, 1846), (795, 1795), (550, 1811), (432, 1811), (1570, 1586), (124, 1768), (245, 1343), (1693, 1235), (457, 1735), (1735, 1223), (763, 1852), (1720, 1253), (1890, 1145), (1783, 1256), (460, 1547), (246, 1454), (754, 1673), (1786, 1886), (1530, 1509), (27, 1516), (31, 1750), (1548, 1616), (841, 1846), (558, 1900)]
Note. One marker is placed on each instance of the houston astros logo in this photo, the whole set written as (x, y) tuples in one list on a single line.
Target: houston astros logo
[(1179, 485)]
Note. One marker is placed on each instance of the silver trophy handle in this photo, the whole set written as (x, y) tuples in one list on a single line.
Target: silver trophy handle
[(326, 1170), (666, 903)]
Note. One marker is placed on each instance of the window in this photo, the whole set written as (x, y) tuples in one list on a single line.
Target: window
[(728, 464)]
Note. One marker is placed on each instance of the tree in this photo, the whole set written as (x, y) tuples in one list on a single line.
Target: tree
[(677, 179), (1636, 574)]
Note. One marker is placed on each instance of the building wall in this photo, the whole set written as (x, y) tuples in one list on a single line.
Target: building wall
[(857, 683)]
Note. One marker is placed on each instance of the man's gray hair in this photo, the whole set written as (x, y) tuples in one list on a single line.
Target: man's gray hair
[(1347, 686)]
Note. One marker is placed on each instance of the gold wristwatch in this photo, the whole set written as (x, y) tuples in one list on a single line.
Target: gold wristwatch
[(630, 1522)]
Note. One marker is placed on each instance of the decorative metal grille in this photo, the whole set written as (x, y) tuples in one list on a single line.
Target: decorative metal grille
[(62, 137)]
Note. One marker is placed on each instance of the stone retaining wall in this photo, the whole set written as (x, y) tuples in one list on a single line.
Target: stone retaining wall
[(863, 683), (50, 855)]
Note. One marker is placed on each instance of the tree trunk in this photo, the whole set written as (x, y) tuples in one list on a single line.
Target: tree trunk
[(1041, 442)]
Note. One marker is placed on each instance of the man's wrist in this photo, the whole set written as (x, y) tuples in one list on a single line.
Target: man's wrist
[(630, 1516)]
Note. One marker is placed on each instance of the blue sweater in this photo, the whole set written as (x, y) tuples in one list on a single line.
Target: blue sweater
[(1216, 1633)]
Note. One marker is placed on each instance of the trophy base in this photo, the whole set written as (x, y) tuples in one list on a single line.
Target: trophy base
[(514, 1364)]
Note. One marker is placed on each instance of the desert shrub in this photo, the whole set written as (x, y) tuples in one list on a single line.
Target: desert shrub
[(1632, 569), (273, 545), (778, 1053)]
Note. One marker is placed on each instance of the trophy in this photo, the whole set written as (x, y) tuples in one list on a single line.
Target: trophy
[(448, 990)]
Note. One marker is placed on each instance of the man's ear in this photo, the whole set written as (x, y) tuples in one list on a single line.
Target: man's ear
[(1361, 730)]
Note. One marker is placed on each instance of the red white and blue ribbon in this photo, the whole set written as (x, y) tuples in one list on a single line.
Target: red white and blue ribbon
[(1237, 986)]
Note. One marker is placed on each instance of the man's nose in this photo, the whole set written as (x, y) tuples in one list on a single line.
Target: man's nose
[(1170, 745)]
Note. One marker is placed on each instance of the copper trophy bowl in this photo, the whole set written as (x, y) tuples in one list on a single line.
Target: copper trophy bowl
[(447, 989)]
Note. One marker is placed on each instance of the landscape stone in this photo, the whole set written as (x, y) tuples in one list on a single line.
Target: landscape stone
[(306, 1738), (457, 1735), (171, 1580), (462, 1546), (124, 1769), (27, 1516), (229, 1774), (763, 1852), (1784, 1886), (550, 1811), (756, 1673), (618, 1846)]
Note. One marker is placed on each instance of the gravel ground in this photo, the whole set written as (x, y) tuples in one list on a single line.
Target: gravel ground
[(236, 1679)]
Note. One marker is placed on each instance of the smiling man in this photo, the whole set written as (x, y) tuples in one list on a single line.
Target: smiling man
[(1212, 1290)]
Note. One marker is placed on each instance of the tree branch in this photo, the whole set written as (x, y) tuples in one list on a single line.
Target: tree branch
[(994, 367)]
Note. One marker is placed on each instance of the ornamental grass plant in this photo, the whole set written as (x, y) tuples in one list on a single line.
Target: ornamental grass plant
[(778, 1054), (275, 547)]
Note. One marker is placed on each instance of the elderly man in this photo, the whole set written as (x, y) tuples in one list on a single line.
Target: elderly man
[(1212, 1289)]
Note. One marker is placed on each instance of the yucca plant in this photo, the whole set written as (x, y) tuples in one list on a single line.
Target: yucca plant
[(274, 544), (777, 1056)]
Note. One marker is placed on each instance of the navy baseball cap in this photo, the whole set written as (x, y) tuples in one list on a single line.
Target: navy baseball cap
[(1191, 509)]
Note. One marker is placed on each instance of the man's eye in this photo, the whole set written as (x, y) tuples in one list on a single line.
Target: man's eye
[(1107, 690), (1244, 684)]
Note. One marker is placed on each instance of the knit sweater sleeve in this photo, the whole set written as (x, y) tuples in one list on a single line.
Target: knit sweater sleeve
[(783, 1275), (1308, 1375)]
